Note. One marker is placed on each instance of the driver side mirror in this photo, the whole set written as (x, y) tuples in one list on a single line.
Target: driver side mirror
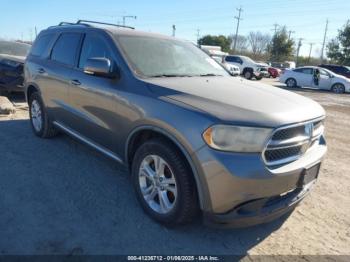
[(100, 66)]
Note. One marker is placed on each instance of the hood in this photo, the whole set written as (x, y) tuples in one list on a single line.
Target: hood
[(262, 64), (19, 59), (239, 101)]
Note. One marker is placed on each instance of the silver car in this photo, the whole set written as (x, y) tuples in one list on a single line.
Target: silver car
[(194, 139)]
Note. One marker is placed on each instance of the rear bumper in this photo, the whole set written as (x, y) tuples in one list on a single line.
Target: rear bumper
[(259, 211)]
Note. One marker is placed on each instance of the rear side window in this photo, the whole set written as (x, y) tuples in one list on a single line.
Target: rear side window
[(93, 46), (41, 45), (233, 59), (308, 71), (65, 49)]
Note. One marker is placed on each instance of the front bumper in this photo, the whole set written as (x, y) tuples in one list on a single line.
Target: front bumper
[(240, 185)]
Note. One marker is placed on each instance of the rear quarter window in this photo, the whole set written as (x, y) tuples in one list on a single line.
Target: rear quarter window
[(41, 45), (65, 48)]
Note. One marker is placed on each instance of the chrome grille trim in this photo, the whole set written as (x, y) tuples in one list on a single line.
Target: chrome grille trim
[(281, 151)]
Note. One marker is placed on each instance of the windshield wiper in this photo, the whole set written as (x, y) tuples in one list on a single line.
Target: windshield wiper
[(170, 75), (210, 75)]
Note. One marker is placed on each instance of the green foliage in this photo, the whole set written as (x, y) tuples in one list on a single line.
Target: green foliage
[(338, 49), (281, 48), (220, 40)]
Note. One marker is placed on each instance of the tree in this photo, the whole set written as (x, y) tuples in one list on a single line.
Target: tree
[(281, 47), (338, 49), (241, 44), (258, 42), (220, 40)]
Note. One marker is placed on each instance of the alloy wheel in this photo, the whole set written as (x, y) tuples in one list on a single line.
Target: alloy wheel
[(158, 184), (36, 115)]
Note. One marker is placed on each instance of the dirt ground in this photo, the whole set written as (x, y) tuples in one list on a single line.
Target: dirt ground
[(320, 225)]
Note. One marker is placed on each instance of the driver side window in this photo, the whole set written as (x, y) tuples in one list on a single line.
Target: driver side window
[(93, 46)]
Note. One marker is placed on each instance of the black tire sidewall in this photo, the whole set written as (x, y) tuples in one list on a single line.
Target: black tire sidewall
[(250, 74), (157, 147)]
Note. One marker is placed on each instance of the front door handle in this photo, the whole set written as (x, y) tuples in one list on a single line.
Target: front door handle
[(75, 82)]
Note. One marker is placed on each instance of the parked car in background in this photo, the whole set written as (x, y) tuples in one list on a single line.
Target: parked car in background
[(193, 137), (248, 67), (216, 53), (304, 77), (12, 57), (338, 69), (274, 72)]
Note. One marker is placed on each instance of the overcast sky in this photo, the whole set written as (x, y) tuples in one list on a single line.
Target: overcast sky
[(306, 17)]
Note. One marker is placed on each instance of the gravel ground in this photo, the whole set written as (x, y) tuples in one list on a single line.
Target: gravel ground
[(60, 197)]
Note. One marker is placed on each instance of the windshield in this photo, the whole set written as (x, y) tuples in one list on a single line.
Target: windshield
[(157, 57), (14, 48)]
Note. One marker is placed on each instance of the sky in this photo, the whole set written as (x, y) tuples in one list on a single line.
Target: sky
[(307, 18)]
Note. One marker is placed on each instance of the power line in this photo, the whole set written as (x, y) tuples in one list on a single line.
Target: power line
[(324, 40), (290, 32), (298, 50), (174, 31), (311, 44), (275, 25), (128, 16), (238, 20)]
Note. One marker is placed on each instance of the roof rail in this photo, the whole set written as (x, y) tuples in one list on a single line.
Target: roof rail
[(86, 22), (65, 23)]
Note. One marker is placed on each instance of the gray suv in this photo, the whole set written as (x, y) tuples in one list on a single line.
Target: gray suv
[(195, 139)]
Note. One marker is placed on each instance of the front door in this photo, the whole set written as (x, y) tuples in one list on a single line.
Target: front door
[(94, 98)]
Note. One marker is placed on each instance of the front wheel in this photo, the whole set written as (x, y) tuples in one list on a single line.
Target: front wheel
[(248, 74), (338, 88), (39, 119), (258, 77), (164, 183)]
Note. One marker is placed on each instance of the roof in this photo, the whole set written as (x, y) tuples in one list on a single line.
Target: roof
[(111, 28)]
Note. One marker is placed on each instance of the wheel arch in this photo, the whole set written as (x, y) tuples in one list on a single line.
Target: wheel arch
[(30, 89), (143, 133)]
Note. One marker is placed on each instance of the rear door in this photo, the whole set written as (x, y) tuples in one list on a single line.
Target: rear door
[(304, 76), (95, 98), (56, 74)]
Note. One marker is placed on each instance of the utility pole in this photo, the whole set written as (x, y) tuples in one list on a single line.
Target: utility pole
[(128, 16), (198, 35), (298, 50), (275, 25), (36, 32), (290, 32), (174, 30), (324, 40), (311, 44), (238, 20)]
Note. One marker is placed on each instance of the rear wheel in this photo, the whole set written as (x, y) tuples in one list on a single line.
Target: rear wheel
[(39, 119), (291, 82), (164, 183), (338, 88)]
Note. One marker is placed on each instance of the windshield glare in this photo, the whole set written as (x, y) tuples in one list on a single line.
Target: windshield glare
[(14, 48), (152, 57)]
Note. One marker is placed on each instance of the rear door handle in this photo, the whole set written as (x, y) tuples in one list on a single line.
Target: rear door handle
[(41, 71), (75, 82)]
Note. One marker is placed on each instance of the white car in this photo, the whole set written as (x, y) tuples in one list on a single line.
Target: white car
[(248, 67), (304, 76), (233, 69)]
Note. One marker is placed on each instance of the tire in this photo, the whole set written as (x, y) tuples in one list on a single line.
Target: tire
[(248, 74), (258, 78), (182, 197), (40, 122), (338, 88), (291, 82)]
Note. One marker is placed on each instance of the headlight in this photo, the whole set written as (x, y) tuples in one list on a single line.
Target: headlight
[(236, 138)]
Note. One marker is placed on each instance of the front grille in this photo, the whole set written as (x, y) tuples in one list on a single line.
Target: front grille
[(289, 143)]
